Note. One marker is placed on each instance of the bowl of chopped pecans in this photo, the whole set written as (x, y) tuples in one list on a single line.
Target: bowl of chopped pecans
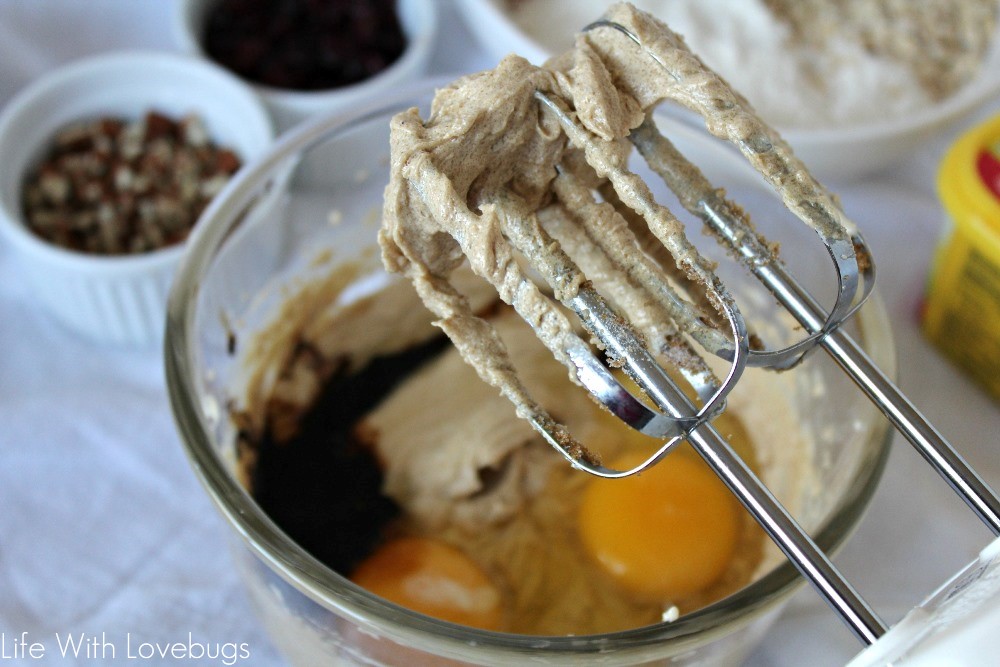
[(108, 163)]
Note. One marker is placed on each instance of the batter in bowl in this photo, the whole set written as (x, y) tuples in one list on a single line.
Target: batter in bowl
[(368, 436), (462, 511)]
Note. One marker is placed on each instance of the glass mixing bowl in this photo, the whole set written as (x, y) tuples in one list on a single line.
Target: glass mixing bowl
[(313, 203)]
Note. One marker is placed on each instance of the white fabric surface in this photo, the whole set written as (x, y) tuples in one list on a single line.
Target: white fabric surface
[(103, 527)]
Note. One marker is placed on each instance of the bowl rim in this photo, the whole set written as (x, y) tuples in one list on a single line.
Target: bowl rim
[(127, 63), (330, 589)]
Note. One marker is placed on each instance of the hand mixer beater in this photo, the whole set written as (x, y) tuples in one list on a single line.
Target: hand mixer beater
[(542, 178)]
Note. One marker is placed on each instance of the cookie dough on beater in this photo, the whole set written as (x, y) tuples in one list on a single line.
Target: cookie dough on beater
[(496, 173)]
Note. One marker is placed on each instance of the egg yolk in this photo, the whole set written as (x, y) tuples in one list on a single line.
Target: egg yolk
[(433, 578), (665, 533)]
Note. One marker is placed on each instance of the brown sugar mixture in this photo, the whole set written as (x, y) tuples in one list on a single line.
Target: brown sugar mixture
[(357, 446)]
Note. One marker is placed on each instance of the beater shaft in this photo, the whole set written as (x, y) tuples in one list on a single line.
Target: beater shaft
[(793, 541), (790, 537), (914, 426), (703, 201)]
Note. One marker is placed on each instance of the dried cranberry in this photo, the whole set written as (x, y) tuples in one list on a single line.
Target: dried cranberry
[(304, 44)]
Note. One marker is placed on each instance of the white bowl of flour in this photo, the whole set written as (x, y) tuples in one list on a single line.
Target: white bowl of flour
[(847, 110)]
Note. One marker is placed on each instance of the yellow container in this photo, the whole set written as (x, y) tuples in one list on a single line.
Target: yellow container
[(962, 310)]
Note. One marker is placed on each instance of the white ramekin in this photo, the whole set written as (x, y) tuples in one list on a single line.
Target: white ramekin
[(117, 299)]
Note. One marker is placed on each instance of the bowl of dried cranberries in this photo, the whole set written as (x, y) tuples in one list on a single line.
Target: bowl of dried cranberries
[(305, 57)]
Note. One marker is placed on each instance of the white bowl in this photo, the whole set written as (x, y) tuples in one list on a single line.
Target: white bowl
[(840, 155), (119, 299), (419, 20)]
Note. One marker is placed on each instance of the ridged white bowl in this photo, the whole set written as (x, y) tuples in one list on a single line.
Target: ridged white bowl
[(118, 299)]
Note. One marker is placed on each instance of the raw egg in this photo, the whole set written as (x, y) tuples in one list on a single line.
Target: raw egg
[(665, 533), (433, 578)]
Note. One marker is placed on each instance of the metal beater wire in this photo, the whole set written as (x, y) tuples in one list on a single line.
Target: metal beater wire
[(900, 411), (822, 329)]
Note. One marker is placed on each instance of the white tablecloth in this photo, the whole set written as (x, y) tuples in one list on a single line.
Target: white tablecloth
[(104, 529)]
